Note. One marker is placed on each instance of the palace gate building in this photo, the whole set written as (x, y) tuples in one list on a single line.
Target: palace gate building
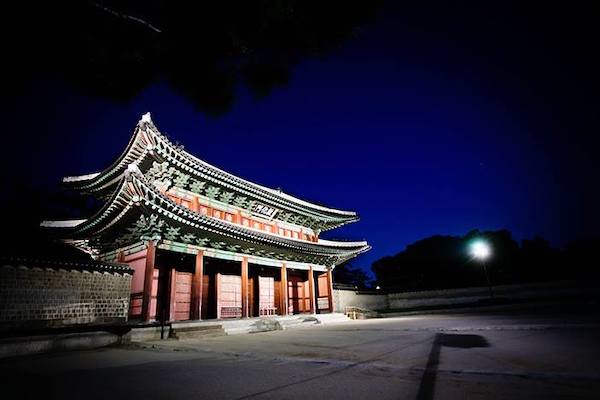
[(204, 243)]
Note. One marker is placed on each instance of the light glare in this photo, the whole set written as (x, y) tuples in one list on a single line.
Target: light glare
[(480, 250)]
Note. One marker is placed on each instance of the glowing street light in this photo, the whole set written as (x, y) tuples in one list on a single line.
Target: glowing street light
[(481, 250)]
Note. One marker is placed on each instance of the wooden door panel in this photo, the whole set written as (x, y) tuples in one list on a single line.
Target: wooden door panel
[(322, 284), (183, 295), (277, 294), (323, 292), (266, 293), (230, 296), (252, 300), (208, 297), (154, 294)]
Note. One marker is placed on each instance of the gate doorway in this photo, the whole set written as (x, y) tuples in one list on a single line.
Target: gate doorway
[(174, 285), (298, 292), (159, 301), (221, 289), (264, 290)]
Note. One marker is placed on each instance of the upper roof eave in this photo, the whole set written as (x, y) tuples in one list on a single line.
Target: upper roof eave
[(89, 181)]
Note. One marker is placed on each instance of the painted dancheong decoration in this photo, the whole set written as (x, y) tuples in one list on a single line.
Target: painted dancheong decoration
[(204, 243)]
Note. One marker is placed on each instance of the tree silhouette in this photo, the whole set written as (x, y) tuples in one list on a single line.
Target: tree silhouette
[(202, 49), (23, 207), (347, 274), (441, 262)]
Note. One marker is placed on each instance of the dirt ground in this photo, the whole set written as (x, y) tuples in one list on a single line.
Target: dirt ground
[(546, 355)]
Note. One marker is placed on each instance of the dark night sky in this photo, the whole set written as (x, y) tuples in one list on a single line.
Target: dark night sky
[(432, 121)]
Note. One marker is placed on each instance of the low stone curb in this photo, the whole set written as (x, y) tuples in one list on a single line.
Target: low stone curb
[(28, 345)]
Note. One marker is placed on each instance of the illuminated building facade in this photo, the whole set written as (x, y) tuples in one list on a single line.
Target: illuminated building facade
[(204, 243)]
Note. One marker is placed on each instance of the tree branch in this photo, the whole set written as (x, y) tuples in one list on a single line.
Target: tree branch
[(127, 17)]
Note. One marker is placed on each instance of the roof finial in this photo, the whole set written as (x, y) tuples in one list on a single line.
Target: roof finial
[(146, 117)]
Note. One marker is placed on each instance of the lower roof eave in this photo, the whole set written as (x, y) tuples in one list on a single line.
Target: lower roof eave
[(137, 194)]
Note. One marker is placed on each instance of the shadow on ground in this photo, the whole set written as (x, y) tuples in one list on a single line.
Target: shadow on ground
[(427, 386)]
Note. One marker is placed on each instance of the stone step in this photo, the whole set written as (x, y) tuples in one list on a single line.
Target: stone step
[(332, 318), (187, 324), (292, 322), (199, 328), (189, 330), (149, 333), (298, 321), (197, 334), (252, 325)]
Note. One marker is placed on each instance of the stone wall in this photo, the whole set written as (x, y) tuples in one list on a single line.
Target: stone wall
[(45, 294), (343, 298), (433, 298)]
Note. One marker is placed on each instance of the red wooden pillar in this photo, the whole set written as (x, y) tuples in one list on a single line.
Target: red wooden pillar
[(197, 279), (311, 289), (284, 291), (218, 293), (148, 278), (245, 287), (330, 289), (172, 293)]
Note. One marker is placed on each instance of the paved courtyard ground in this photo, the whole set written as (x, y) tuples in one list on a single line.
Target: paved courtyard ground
[(549, 355)]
